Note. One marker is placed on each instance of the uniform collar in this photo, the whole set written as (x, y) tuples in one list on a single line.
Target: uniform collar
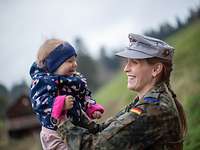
[(154, 92)]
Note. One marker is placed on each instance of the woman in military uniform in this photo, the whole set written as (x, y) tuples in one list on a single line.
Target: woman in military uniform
[(155, 120)]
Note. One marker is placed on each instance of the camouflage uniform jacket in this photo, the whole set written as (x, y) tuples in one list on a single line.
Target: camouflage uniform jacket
[(151, 123)]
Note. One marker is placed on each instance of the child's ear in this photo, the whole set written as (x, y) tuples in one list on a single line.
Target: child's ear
[(157, 69)]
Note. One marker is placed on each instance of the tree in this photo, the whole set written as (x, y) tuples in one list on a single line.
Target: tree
[(104, 59), (18, 90), (111, 63), (4, 99), (179, 23), (86, 65), (108, 65)]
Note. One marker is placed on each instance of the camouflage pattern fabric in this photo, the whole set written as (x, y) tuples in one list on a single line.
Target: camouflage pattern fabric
[(150, 123)]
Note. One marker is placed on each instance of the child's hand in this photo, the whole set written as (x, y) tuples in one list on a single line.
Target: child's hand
[(69, 102), (97, 115)]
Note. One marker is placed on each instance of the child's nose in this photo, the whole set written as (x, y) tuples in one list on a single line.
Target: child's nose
[(75, 64)]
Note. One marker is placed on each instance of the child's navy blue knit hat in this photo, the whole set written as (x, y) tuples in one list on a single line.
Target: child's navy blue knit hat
[(58, 56)]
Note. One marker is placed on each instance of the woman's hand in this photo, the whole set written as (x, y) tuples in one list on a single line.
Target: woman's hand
[(97, 115), (69, 102)]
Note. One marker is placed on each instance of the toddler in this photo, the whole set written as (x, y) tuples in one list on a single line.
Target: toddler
[(57, 85)]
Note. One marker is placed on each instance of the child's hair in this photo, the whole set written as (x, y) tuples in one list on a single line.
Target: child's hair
[(45, 49)]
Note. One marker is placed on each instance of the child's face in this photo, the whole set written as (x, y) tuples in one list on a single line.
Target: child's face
[(68, 67)]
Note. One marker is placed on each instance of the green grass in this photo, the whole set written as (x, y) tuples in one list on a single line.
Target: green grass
[(185, 81), (186, 78), (116, 89), (192, 141)]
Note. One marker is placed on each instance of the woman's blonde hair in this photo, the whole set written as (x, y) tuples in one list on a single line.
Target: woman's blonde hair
[(45, 49)]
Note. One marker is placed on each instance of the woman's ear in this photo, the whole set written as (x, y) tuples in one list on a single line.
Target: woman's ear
[(157, 69)]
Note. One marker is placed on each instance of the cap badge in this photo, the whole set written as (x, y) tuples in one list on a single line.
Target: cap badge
[(165, 53), (130, 44)]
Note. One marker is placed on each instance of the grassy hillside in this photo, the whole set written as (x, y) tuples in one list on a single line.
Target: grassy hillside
[(185, 81), (186, 78)]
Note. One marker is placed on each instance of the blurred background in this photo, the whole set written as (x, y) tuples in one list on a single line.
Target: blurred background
[(97, 29)]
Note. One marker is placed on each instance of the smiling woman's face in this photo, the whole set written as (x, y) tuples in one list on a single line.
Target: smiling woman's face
[(140, 75)]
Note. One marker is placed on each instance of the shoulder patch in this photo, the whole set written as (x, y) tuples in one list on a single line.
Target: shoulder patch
[(151, 100), (136, 110)]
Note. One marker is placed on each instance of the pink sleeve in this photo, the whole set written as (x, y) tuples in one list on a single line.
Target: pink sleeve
[(94, 107), (58, 107)]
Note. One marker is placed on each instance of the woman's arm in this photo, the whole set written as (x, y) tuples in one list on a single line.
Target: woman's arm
[(129, 130), (74, 135)]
